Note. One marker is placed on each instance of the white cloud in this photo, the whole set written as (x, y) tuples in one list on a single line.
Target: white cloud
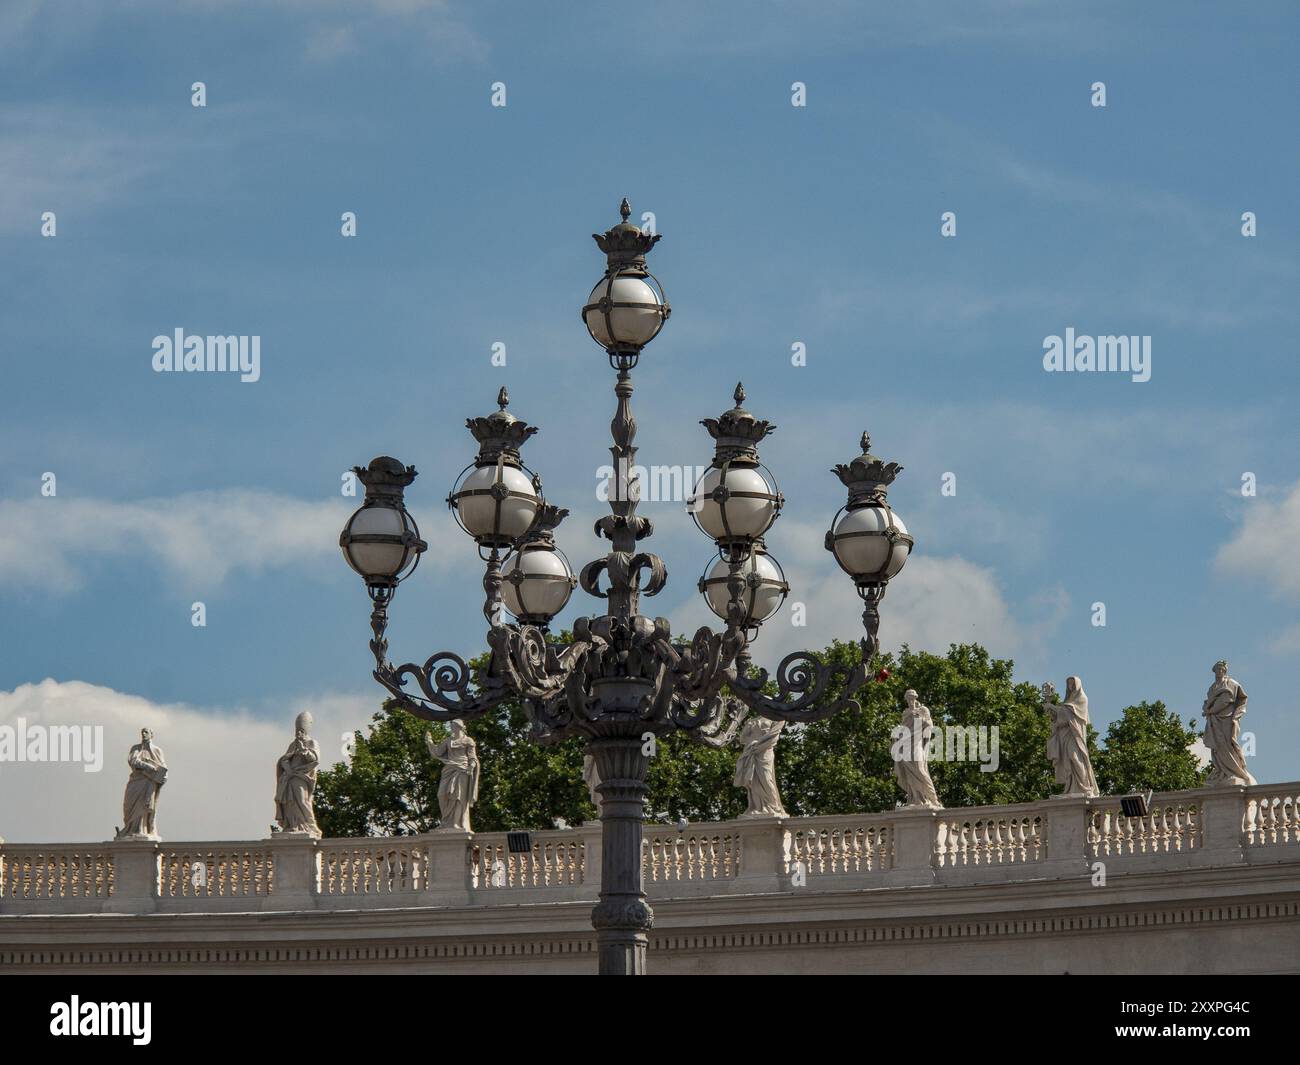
[(198, 538), (221, 780), (936, 601), (1264, 546)]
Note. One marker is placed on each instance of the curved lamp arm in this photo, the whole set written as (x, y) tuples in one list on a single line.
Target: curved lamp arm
[(802, 682), (522, 664)]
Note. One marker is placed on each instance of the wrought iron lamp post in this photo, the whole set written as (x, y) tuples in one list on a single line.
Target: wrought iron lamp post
[(624, 678)]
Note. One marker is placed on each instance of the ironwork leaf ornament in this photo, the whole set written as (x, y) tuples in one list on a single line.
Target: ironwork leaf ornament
[(658, 572)]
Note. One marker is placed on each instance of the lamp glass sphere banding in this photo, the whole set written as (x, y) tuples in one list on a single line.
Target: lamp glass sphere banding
[(735, 502), (382, 543), (870, 543), (495, 503), (381, 540), (625, 310), (765, 586), (536, 582)]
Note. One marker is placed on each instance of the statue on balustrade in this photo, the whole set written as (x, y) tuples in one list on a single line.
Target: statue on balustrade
[(756, 767), (911, 753), (458, 788), (591, 777), (1067, 746), (1225, 704), (295, 783), (140, 803)]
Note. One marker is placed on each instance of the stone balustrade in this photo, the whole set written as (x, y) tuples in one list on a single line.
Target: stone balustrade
[(1055, 838)]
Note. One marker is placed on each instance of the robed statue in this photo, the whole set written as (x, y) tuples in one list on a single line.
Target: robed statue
[(911, 754), (1067, 746), (591, 777), (458, 788), (756, 767), (295, 782), (1225, 703), (140, 803)]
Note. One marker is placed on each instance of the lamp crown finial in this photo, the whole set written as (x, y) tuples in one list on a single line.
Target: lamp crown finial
[(867, 477), (737, 433), (624, 245), (499, 434), (385, 479)]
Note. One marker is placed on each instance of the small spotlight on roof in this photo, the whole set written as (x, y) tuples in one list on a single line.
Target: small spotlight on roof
[(1136, 805), (519, 842)]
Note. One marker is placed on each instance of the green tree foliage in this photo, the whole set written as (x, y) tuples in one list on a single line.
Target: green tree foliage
[(842, 764), (389, 787), (1146, 747)]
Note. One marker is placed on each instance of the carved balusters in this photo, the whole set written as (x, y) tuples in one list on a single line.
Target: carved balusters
[(954, 842), (1271, 820)]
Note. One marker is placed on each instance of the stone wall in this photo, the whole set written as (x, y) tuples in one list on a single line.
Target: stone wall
[(1209, 881)]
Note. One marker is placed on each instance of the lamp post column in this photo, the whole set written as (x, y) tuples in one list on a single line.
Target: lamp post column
[(622, 918)]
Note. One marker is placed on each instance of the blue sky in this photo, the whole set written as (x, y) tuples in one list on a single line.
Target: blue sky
[(818, 225)]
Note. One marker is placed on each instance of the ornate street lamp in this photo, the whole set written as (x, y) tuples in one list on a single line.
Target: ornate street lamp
[(869, 541), (627, 307), (624, 677), (537, 580), (381, 540), (735, 503)]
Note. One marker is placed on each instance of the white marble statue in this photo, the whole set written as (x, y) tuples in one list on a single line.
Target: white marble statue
[(1225, 703), (756, 767), (458, 788), (912, 770), (140, 803), (295, 783), (591, 777), (1067, 746)]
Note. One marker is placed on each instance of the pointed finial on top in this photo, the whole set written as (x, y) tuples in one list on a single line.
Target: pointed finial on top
[(625, 209), (867, 477), (739, 394), (503, 398)]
